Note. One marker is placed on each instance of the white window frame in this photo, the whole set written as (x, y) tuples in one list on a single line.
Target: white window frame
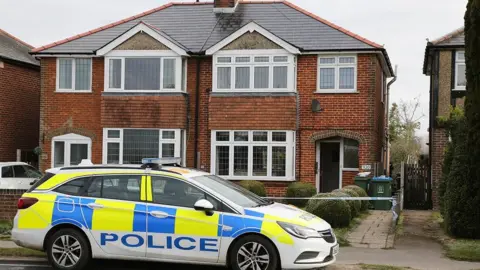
[(177, 141), (457, 64), (161, 55), (337, 67), (72, 90), (290, 64), (289, 144), (69, 139)]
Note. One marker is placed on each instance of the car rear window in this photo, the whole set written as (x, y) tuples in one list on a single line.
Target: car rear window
[(40, 181)]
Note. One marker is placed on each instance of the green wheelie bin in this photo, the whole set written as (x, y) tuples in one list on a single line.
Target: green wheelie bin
[(381, 186), (363, 180)]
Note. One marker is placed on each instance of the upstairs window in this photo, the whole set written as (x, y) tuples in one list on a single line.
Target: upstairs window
[(460, 71), (74, 75), (135, 74), (337, 74), (254, 73)]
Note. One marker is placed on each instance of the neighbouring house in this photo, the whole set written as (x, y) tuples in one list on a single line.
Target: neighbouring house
[(445, 64), (249, 90), (19, 99)]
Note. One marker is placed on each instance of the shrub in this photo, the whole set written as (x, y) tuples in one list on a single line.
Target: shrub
[(354, 205), (361, 193), (255, 187), (300, 190), (335, 212)]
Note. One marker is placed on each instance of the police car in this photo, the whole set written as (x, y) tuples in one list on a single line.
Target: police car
[(160, 212)]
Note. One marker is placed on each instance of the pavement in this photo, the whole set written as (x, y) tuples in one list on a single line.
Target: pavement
[(374, 231)]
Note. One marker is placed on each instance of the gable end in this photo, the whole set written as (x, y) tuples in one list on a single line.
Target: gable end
[(251, 41), (142, 41)]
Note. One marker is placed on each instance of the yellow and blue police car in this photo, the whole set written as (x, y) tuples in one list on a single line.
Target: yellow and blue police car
[(161, 212)]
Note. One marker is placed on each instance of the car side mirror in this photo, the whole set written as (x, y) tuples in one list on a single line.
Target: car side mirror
[(204, 205)]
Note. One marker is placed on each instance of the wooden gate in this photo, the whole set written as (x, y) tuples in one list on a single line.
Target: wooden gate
[(417, 187)]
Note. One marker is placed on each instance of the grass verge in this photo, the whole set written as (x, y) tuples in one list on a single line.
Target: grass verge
[(399, 226), (381, 267), (20, 252), (342, 233)]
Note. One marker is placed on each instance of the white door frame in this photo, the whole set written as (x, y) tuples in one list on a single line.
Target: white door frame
[(68, 140), (318, 155)]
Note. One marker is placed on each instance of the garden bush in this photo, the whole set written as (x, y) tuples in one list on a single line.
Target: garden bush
[(335, 212), (300, 190), (255, 187), (361, 193), (355, 206)]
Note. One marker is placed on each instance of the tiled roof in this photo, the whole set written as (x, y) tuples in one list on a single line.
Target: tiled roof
[(15, 49), (455, 38)]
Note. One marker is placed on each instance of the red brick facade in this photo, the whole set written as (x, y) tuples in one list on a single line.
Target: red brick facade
[(355, 115), (19, 108)]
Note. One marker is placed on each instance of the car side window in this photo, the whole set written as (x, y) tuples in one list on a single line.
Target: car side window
[(117, 187), (7, 172), (75, 187), (170, 191), (32, 172), (19, 171)]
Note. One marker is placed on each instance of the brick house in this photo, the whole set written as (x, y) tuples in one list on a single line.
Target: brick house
[(247, 90), (19, 99), (445, 64)]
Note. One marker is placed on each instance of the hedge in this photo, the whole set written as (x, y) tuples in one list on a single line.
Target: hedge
[(300, 190), (354, 205), (255, 187), (361, 193), (335, 212)]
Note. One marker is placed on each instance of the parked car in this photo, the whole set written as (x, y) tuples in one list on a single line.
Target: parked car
[(17, 175)]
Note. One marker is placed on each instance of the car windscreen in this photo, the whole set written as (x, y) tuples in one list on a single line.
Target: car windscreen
[(233, 192)]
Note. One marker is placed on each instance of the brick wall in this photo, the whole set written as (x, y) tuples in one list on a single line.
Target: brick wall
[(438, 145), (19, 109), (8, 203)]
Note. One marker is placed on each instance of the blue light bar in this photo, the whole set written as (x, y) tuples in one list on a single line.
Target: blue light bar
[(160, 161)]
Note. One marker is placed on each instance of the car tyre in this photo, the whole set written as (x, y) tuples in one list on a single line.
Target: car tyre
[(68, 249), (254, 250)]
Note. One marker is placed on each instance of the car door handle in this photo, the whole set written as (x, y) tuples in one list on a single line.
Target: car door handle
[(95, 206), (159, 214)]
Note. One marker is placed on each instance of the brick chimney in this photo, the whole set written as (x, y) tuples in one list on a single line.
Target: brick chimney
[(224, 6)]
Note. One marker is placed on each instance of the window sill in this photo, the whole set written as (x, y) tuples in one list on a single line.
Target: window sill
[(73, 91), (350, 170), (259, 178), (337, 92), (252, 94), (459, 89), (143, 93)]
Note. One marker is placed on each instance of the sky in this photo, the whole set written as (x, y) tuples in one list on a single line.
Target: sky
[(402, 26)]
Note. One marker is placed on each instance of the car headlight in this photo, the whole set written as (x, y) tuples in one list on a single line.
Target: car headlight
[(299, 231)]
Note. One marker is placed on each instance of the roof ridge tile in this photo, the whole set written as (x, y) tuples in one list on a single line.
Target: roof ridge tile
[(15, 38), (448, 36)]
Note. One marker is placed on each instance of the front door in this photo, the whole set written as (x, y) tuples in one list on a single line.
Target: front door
[(329, 170)]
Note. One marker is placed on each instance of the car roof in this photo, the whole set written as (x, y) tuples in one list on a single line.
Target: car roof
[(12, 163)]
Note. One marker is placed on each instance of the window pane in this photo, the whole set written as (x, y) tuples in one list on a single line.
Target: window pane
[(461, 76), (169, 73), (279, 166), (242, 77), (19, 172), (115, 73), (224, 60), (121, 187), (95, 188), (280, 77), (59, 154), (240, 161), (350, 154), (241, 136), (461, 56), (245, 59), (279, 136), (142, 73), (260, 136), (74, 187), (7, 172), (222, 160), (262, 59), (280, 59), (113, 153), (168, 150), (32, 172), (222, 136), (327, 60), (347, 60), (83, 68), (114, 134), (168, 191), (224, 80), (261, 77), (77, 153), (260, 154), (168, 134), (327, 78), (347, 78), (139, 144), (65, 73)]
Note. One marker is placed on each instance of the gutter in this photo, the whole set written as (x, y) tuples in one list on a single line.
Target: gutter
[(197, 112), (387, 137)]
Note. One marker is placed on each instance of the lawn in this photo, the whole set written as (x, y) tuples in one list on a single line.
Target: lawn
[(5, 229), (342, 233)]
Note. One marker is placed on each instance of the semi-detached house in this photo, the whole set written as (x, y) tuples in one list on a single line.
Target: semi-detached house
[(247, 90)]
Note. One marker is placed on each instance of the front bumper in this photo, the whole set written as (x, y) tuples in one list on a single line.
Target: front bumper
[(307, 254)]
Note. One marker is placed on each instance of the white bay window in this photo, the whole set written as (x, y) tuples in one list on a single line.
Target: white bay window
[(253, 155), (74, 74), (130, 146), (460, 71), (337, 74), (253, 71)]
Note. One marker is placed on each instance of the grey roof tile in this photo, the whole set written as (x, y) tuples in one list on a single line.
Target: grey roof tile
[(455, 38), (15, 49)]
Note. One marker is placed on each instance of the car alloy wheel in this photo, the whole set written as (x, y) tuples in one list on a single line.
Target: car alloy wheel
[(253, 256), (66, 251)]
